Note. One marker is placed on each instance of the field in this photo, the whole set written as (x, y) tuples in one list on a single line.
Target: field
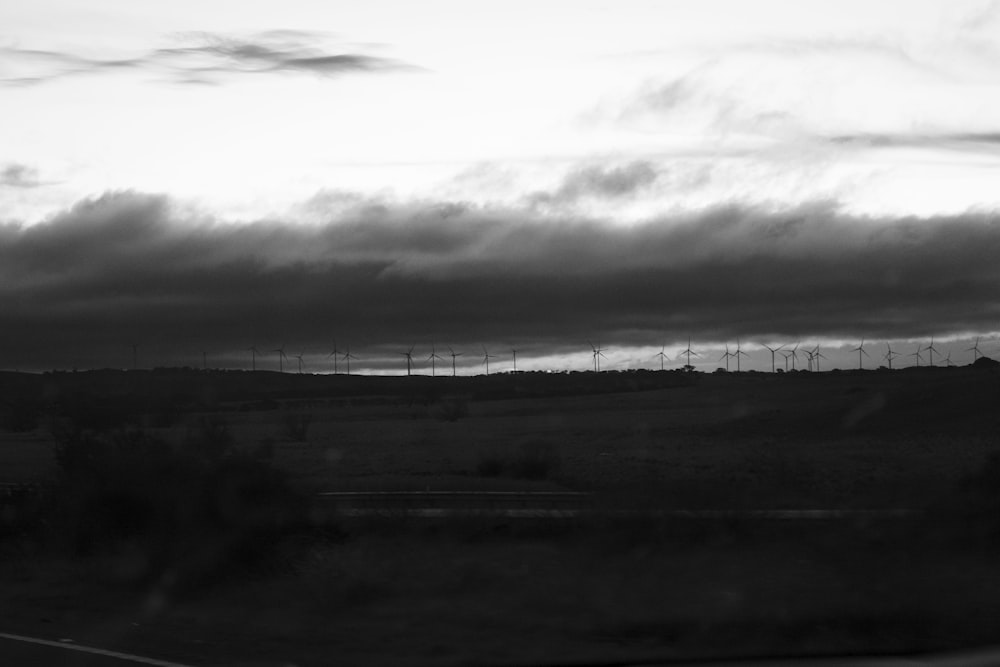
[(487, 590)]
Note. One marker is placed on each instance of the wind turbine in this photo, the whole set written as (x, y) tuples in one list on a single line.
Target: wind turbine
[(817, 355), (299, 357), (890, 355), (486, 359), (689, 352), (514, 352), (253, 357), (409, 359), (334, 355), (975, 351), (787, 354), (860, 349), (947, 360), (739, 353), (281, 358), (794, 354), (663, 356), (347, 357), (433, 359), (772, 350), (453, 355), (725, 356), (930, 349), (916, 354), (598, 353)]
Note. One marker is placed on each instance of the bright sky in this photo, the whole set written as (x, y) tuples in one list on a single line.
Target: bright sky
[(886, 107)]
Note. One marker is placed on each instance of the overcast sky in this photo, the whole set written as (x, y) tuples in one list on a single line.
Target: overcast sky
[(211, 175)]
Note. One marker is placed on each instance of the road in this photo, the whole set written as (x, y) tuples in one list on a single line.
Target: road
[(16, 650)]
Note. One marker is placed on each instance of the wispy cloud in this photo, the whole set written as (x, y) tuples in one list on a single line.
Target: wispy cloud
[(130, 266), (204, 57), (611, 182), (975, 142), (15, 175)]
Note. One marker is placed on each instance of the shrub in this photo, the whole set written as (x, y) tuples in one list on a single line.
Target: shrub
[(191, 511), (531, 460)]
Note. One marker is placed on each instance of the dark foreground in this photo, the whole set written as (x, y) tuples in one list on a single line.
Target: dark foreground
[(193, 533)]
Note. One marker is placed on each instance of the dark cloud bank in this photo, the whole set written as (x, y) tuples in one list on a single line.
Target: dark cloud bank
[(79, 289)]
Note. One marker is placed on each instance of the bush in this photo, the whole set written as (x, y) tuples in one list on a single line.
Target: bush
[(191, 511), (531, 460)]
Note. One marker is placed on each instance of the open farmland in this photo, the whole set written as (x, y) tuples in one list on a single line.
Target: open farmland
[(839, 439), (486, 590)]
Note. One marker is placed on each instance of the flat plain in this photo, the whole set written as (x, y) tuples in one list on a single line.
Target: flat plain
[(604, 587)]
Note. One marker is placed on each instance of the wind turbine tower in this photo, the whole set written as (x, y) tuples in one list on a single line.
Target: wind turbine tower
[(772, 350), (817, 355), (688, 351), (787, 354), (975, 350), (409, 359), (663, 357), (347, 357), (930, 349), (299, 357), (860, 349), (739, 353), (598, 353), (281, 358), (726, 355), (890, 355), (433, 359), (486, 359), (334, 355), (453, 355), (253, 357)]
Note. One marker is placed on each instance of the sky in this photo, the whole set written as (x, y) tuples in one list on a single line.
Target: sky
[(195, 178)]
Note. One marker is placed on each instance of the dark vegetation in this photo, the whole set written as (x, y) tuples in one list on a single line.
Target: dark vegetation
[(530, 460), (194, 488)]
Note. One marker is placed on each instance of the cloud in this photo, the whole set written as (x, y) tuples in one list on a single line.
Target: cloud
[(129, 267), (976, 142), (14, 175), (204, 57), (600, 182)]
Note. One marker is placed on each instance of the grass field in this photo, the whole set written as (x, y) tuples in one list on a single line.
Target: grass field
[(491, 591)]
